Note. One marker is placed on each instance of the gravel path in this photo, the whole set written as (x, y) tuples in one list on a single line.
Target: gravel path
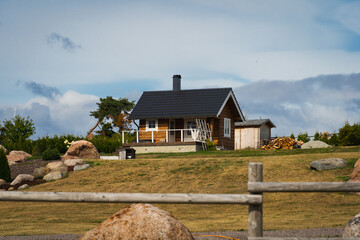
[(306, 233)]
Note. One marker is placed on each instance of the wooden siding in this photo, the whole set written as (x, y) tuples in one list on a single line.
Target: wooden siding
[(230, 112), (247, 138), (159, 136), (265, 132)]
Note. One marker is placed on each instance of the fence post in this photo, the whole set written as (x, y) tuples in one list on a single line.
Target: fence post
[(123, 137), (255, 228)]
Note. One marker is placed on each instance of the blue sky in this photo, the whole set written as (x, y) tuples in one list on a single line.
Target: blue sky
[(58, 57)]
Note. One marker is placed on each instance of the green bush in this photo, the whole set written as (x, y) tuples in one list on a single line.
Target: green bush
[(349, 135), (210, 145), (106, 144), (5, 173), (292, 136), (334, 140), (303, 137), (56, 141), (51, 154)]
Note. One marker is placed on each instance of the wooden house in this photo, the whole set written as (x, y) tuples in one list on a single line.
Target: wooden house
[(179, 120), (250, 133)]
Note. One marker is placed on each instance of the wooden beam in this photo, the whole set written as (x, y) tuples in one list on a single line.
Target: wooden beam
[(130, 197), (303, 187), (255, 225)]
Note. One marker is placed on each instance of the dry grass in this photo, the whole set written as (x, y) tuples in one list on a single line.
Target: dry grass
[(189, 174)]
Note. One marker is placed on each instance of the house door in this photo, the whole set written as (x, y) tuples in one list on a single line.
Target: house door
[(171, 132)]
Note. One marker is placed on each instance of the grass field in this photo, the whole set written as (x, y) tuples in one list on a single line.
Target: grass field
[(209, 172)]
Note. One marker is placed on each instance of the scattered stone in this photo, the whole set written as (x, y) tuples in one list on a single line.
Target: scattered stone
[(55, 175), (2, 182), (24, 186), (140, 221), (81, 149), (329, 163), (5, 150), (357, 164), (11, 189), (22, 178), (39, 172), (352, 228), (57, 166), (314, 144), (73, 162), (81, 167), (14, 158)]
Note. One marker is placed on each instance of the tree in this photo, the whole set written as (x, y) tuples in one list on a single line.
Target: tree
[(114, 110), (16, 131), (349, 134), (5, 173), (303, 137), (317, 136), (292, 136)]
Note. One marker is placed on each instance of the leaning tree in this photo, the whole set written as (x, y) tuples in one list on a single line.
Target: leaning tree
[(116, 110)]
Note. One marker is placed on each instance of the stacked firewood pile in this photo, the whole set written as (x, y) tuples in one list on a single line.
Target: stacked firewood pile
[(283, 143)]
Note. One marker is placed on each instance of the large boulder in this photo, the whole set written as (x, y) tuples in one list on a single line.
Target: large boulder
[(57, 166), (352, 228), (140, 221), (81, 167), (81, 149), (21, 178), (327, 164), (314, 144), (5, 150), (355, 175), (17, 156)]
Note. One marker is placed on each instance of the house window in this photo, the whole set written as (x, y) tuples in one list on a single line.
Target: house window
[(227, 127), (152, 125), (190, 125)]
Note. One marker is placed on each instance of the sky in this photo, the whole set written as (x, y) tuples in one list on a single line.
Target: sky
[(296, 62)]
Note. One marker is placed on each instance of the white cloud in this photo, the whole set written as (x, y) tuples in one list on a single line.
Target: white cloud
[(63, 114)]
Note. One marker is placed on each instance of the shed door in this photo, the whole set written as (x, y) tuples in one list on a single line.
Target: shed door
[(237, 138)]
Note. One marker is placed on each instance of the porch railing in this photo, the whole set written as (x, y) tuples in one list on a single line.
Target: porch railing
[(195, 134)]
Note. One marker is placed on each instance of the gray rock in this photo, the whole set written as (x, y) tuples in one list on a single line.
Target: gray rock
[(39, 172), (25, 186), (55, 175), (81, 167), (22, 178), (327, 164), (73, 162), (314, 144), (352, 228), (57, 166)]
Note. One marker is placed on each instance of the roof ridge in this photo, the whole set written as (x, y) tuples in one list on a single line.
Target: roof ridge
[(200, 89)]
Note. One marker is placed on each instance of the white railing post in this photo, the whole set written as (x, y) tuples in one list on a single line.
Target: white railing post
[(137, 136), (123, 137), (167, 135), (255, 227), (152, 136), (182, 135)]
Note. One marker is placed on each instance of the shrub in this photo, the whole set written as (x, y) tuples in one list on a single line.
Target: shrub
[(303, 137), (210, 145), (5, 173), (36, 151), (334, 140), (106, 144), (292, 136), (51, 154), (349, 135)]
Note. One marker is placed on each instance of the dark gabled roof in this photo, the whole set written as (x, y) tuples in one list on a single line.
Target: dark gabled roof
[(254, 123), (182, 103)]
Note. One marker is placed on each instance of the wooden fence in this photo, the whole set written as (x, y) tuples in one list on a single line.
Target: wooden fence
[(256, 188)]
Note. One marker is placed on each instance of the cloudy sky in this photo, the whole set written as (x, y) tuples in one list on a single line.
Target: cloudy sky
[(296, 62)]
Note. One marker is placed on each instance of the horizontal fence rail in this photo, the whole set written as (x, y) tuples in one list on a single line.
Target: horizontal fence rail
[(261, 187), (131, 197)]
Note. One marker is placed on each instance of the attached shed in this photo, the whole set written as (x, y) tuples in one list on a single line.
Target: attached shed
[(250, 133)]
